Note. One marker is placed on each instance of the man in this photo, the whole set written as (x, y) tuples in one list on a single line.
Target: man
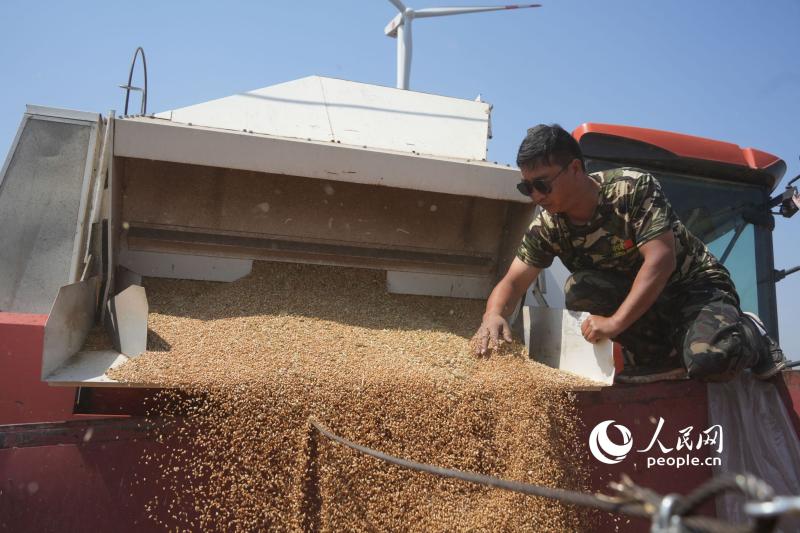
[(646, 281)]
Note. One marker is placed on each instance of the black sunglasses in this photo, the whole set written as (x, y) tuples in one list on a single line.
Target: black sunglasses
[(540, 185)]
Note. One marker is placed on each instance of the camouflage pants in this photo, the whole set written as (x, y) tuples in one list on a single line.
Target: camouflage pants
[(700, 328)]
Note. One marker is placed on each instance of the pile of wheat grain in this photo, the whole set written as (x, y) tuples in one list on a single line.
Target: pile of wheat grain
[(252, 360)]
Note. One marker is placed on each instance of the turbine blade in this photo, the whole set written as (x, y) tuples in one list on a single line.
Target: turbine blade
[(391, 29), (399, 5), (443, 11)]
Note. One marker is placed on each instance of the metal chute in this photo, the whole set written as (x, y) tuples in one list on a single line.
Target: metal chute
[(314, 171)]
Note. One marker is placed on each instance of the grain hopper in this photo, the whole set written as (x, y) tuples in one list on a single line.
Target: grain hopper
[(315, 170)]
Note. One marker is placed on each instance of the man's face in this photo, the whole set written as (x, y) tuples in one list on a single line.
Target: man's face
[(548, 185)]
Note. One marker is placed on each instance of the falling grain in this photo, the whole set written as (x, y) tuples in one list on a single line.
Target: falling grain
[(248, 362)]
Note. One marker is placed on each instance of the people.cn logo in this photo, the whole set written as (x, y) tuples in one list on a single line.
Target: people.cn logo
[(606, 451)]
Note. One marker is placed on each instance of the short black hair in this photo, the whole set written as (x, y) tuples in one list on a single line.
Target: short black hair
[(548, 145)]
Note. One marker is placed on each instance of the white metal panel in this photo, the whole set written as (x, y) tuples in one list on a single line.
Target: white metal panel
[(182, 266), (88, 369), (292, 109), (553, 338), (409, 121), (474, 287), (359, 114), (166, 141), (98, 187), (129, 310), (70, 319), (69, 114)]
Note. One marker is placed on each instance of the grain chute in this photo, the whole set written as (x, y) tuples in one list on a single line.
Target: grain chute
[(316, 170)]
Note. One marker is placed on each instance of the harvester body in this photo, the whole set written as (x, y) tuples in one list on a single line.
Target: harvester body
[(316, 171)]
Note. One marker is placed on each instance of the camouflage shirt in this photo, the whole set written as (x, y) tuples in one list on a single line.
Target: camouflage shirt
[(632, 209)]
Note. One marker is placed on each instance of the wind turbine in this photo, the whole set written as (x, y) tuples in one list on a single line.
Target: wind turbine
[(400, 28)]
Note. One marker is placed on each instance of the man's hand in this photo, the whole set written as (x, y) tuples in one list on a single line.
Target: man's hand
[(501, 303), (597, 328), (494, 330)]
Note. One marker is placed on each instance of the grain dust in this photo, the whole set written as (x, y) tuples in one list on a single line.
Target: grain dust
[(249, 362)]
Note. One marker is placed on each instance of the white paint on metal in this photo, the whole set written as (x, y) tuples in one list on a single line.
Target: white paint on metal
[(109, 214), (93, 154), (69, 114), (96, 212), (128, 311), (553, 337), (70, 319), (346, 112), (88, 369), (183, 266), (162, 140), (475, 287)]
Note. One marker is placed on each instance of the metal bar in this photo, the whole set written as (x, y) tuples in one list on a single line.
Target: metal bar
[(112, 214), (739, 229), (128, 87), (77, 432), (780, 274), (89, 176), (279, 245), (99, 184)]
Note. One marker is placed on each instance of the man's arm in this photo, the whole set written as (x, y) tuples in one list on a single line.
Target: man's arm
[(659, 264), (502, 302)]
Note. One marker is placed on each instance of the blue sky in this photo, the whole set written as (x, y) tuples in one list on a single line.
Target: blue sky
[(728, 70)]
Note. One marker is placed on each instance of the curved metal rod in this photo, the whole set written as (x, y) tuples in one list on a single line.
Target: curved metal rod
[(129, 87)]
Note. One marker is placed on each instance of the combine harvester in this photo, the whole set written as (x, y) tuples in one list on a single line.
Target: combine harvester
[(308, 171)]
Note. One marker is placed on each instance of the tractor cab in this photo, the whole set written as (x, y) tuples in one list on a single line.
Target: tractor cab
[(720, 191)]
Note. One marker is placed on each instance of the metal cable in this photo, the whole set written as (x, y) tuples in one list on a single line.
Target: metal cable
[(750, 485), (574, 498)]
